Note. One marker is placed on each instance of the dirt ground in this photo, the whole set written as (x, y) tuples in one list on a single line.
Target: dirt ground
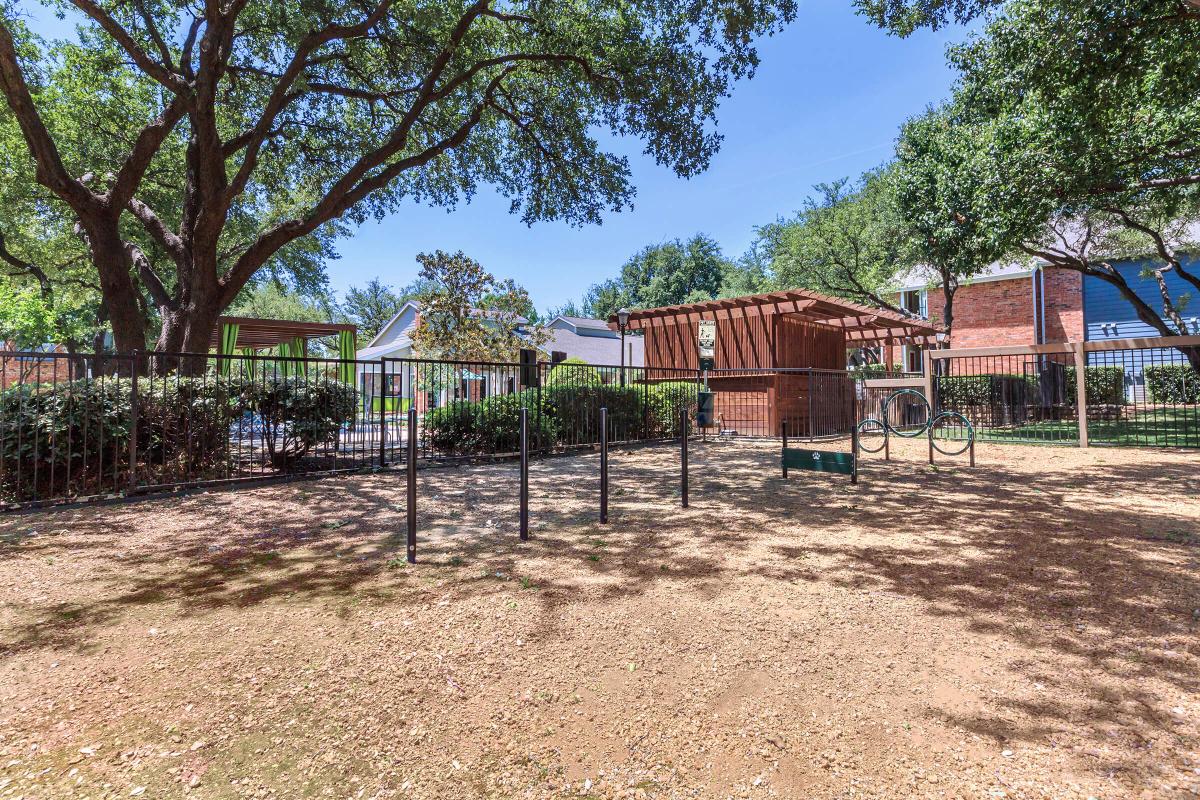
[(1027, 628)]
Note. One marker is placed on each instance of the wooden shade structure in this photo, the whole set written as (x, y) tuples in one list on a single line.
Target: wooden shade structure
[(260, 334), (774, 353), (859, 323)]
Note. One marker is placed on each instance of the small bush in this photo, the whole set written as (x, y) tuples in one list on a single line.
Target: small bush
[(298, 413), (574, 372), (491, 425), (1177, 384), (576, 412), (1104, 385), (63, 424), (664, 402), (957, 391)]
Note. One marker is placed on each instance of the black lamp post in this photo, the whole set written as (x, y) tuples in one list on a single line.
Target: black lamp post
[(622, 322)]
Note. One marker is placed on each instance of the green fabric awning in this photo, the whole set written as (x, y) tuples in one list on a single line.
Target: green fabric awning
[(227, 346), (347, 351)]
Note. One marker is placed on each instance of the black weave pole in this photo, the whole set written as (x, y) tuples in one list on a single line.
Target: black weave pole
[(683, 457), (783, 455), (524, 474), (604, 465), (412, 486)]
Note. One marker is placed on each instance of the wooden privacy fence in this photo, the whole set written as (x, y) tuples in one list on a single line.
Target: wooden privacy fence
[(1133, 392)]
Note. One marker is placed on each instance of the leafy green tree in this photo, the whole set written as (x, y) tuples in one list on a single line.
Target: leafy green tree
[(215, 138), (937, 186), (848, 241), (468, 315), (1080, 129), (662, 275)]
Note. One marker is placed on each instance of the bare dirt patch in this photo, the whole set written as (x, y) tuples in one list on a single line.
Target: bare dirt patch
[(1028, 628)]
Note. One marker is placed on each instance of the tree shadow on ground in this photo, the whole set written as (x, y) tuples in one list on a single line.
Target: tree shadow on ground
[(1013, 554)]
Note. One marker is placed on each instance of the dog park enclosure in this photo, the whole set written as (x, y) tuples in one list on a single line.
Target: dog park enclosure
[(778, 356)]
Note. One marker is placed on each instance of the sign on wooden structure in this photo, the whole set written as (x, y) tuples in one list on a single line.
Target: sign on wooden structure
[(707, 336)]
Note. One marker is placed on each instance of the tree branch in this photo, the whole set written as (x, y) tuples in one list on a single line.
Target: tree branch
[(50, 170), (159, 72)]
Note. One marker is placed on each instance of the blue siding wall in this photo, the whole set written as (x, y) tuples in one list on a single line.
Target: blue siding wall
[(1103, 304)]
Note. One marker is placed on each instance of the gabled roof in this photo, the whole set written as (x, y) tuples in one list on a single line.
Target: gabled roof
[(861, 323), (416, 306), (586, 323)]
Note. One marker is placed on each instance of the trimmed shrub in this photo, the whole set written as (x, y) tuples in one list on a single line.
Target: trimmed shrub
[(60, 424), (1172, 384), (491, 425), (576, 412), (664, 401), (298, 414), (574, 372), (1104, 385), (956, 391)]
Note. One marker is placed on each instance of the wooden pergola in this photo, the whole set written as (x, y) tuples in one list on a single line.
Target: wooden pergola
[(261, 334), (861, 324)]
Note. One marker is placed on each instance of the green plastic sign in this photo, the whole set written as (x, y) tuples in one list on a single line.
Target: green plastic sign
[(819, 460)]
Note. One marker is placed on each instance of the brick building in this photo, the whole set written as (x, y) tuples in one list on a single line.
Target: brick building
[(1022, 304)]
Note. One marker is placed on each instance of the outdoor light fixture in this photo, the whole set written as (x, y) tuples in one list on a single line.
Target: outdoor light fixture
[(622, 321)]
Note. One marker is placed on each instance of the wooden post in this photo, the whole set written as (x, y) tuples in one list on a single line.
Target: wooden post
[(604, 465), (783, 454), (524, 473), (683, 456), (928, 388), (412, 486), (972, 450), (1081, 391)]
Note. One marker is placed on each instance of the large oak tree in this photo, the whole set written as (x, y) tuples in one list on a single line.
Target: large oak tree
[(249, 125)]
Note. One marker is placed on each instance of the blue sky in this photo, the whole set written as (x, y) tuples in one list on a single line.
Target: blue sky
[(827, 102)]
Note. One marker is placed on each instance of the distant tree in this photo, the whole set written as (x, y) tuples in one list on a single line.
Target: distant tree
[(466, 314), (196, 142), (750, 274), (1076, 128), (848, 241), (269, 300), (661, 275), (568, 309), (373, 306)]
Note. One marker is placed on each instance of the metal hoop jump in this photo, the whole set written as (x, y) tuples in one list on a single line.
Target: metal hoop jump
[(950, 432), (887, 414)]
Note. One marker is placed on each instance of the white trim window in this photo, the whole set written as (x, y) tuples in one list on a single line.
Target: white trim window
[(915, 301)]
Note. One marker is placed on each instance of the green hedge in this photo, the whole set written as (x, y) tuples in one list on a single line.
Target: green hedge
[(569, 415), (182, 422), (1104, 385), (1172, 383)]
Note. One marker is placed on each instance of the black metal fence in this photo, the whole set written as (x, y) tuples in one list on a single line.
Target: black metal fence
[(74, 427), (1142, 397)]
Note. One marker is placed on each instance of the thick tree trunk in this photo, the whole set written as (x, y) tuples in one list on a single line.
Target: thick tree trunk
[(117, 286)]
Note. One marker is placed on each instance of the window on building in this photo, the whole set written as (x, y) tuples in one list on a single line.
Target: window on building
[(915, 301)]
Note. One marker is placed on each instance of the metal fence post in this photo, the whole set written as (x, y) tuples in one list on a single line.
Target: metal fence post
[(524, 473), (412, 486), (382, 413), (683, 456), (853, 431), (134, 413), (810, 407), (604, 465)]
